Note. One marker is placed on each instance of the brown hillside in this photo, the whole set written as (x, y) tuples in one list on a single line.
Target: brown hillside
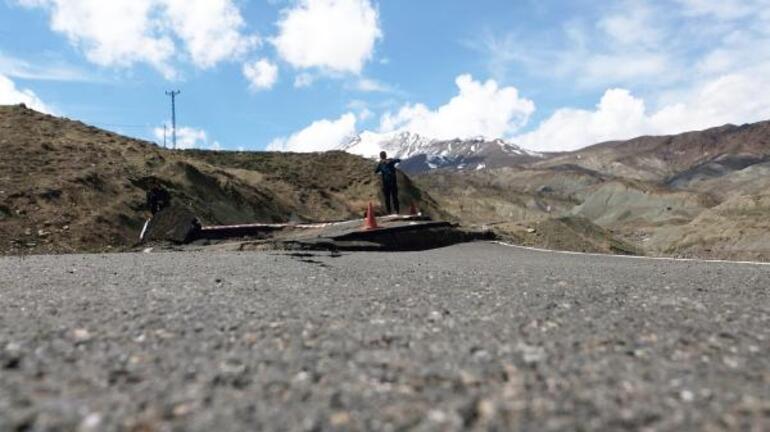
[(658, 158), (66, 186), (697, 194)]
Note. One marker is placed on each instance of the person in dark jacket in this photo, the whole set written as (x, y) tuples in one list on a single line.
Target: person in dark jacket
[(387, 168), (158, 198)]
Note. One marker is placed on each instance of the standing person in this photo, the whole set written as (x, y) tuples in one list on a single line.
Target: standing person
[(387, 168), (158, 198)]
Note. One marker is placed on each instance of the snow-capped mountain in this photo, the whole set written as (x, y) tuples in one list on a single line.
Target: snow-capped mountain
[(420, 154), (402, 145)]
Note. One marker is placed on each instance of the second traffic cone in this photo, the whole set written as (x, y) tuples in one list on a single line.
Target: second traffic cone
[(370, 222)]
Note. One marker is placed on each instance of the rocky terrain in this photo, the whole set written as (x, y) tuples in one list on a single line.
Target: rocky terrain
[(66, 186), (699, 194)]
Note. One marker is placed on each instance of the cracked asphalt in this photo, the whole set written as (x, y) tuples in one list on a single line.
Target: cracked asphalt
[(476, 336)]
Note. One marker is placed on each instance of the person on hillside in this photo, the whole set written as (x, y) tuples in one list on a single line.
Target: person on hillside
[(158, 198), (387, 168)]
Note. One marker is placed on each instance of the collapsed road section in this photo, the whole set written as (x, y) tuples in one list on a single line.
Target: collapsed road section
[(177, 226)]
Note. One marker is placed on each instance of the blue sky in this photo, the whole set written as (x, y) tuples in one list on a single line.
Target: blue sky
[(306, 74)]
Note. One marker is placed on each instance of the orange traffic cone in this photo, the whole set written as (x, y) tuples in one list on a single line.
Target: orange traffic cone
[(413, 209), (370, 222)]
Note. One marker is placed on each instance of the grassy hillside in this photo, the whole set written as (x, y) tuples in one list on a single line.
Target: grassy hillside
[(66, 186)]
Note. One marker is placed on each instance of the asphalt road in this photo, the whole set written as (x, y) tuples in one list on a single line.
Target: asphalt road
[(476, 336)]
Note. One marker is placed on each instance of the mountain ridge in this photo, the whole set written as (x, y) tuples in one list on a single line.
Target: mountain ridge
[(699, 194), (422, 154), (658, 157), (647, 157)]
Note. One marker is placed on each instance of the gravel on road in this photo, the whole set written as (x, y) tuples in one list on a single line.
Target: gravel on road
[(476, 336)]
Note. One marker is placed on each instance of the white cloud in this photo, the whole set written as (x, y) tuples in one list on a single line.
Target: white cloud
[(12, 95), (698, 63), (633, 24), (722, 9), (186, 138), (321, 135), (479, 109), (355, 83), (618, 115), (357, 105), (484, 109), (370, 85), (50, 70), (365, 114), (261, 74), (625, 68), (303, 80), (121, 33), (630, 42), (117, 33), (210, 29), (734, 98), (334, 35)]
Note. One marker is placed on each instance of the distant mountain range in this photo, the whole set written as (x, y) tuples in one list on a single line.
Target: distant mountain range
[(67, 186), (422, 154), (675, 159), (699, 194)]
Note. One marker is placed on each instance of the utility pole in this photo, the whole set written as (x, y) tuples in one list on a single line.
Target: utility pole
[(173, 95), (165, 126)]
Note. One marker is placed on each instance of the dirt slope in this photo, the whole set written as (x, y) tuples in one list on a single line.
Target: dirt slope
[(66, 186), (726, 219), (670, 158), (565, 233)]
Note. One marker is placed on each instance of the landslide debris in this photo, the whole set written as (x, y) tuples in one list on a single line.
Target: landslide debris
[(66, 186)]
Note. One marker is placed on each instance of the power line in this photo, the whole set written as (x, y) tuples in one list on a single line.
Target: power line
[(173, 94)]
